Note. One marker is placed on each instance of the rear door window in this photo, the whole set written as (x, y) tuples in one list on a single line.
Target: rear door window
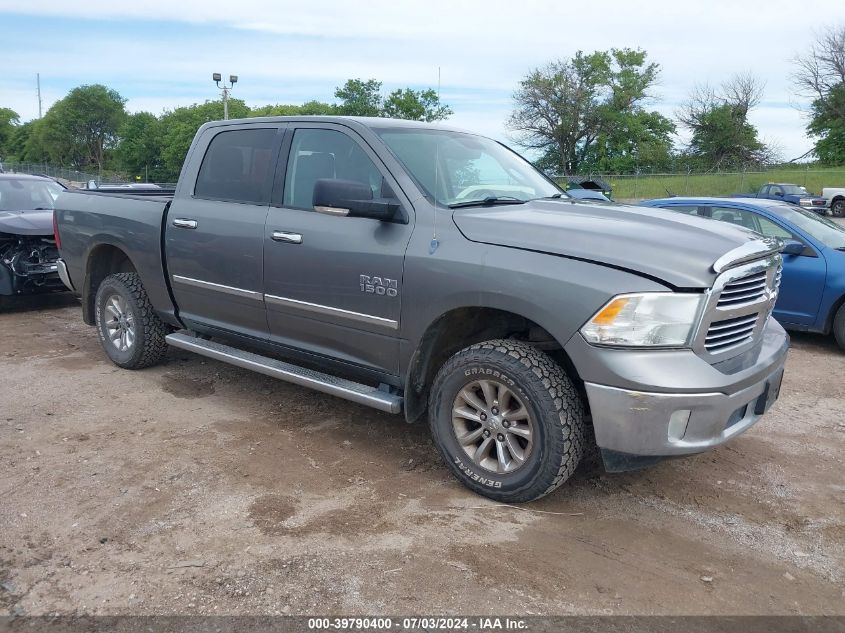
[(238, 167), (751, 220)]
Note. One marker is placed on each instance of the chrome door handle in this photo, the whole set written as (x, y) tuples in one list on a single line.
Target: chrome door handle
[(184, 223), (284, 236)]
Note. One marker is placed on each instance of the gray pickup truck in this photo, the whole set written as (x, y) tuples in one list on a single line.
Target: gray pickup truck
[(421, 269)]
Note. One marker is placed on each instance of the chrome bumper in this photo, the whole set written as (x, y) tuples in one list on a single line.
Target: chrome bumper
[(673, 403), (63, 275), (666, 424)]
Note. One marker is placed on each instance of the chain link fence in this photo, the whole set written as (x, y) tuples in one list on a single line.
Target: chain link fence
[(66, 175), (644, 185)]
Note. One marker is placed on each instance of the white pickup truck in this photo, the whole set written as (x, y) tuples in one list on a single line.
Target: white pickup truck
[(836, 199)]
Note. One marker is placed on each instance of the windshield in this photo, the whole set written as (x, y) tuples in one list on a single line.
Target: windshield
[(469, 168), (824, 230), (21, 194), (794, 190)]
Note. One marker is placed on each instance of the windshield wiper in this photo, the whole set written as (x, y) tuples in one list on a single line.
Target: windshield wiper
[(489, 201)]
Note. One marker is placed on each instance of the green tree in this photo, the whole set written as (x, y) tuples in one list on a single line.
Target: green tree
[(9, 120), (81, 129), (359, 98), (722, 136), (309, 108), (568, 110), (139, 151), (821, 75), (630, 141), (416, 105), (178, 127), (828, 125)]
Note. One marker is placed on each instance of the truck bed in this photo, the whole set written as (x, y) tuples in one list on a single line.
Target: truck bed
[(126, 221)]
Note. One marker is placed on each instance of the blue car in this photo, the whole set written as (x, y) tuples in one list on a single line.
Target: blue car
[(812, 290)]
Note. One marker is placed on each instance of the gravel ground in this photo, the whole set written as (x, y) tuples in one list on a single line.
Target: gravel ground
[(196, 487)]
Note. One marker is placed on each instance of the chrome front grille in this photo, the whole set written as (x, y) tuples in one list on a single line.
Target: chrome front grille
[(723, 335), (744, 290), (737, 308)]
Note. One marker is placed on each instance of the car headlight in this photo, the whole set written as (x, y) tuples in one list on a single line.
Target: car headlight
[(648, 319)]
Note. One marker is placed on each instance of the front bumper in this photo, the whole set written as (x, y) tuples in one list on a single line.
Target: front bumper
[(667, 403)]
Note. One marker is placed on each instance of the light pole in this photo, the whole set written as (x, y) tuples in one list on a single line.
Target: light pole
[(233, 79)]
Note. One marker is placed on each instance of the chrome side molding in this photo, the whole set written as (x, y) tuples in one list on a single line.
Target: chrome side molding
[(330, 311), (231, 290)]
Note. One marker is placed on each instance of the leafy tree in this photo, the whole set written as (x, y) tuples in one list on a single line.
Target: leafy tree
[(568, 110), (81, 129), (308, 108), (828, 125), (416, 105), (359, 98), (139, 151), (821, 74), (722, 136), (363, 98), (178, 127), (9, 120), (630, 141)]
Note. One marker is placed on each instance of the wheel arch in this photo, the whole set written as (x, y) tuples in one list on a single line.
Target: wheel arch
[(461, 327), (103, 260), (831, 315)]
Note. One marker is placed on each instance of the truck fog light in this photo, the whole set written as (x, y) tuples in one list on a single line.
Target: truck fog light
[(678, 424)]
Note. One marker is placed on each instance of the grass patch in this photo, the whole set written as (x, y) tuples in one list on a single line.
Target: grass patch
[(721, 184)]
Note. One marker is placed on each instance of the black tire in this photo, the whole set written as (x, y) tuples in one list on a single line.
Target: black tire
[(545, 391), (148, 346), (837, 209), (839, 327)]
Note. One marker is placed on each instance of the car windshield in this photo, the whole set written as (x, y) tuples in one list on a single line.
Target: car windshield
[(22, 194), (468, 168), (824, 230), (794, 190)]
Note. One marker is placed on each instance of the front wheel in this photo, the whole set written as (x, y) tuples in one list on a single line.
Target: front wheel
[(507, 420), (130, 331), (838, 208)]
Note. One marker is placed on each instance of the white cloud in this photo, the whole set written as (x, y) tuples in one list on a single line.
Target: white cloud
[(292, 51)]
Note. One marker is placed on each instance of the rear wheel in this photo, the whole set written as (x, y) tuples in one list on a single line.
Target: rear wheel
[(839, 326), (130, 331), (838, 207), (507, 420)]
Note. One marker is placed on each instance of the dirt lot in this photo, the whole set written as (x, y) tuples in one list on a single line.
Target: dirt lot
[(196, 487)]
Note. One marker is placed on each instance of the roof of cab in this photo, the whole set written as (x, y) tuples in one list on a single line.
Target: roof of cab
[(365, 121)]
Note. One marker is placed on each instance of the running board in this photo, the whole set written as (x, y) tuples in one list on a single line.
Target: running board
[(340, 387)]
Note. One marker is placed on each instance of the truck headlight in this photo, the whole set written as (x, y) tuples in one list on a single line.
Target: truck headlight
[(648, 319)]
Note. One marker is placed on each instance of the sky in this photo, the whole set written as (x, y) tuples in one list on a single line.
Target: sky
[(160, 54)]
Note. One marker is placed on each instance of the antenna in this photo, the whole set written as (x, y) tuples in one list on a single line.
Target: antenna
[(434, 241), (38, 84)]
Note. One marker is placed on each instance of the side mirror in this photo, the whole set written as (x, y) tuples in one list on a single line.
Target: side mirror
[(333, 196), (792, 247), (779, 193)]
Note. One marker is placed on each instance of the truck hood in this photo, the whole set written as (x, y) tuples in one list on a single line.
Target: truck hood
[(675, 248), (35, 222)]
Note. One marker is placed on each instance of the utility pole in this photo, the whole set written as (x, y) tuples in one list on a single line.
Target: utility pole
[(233, 79), (38, 84)]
